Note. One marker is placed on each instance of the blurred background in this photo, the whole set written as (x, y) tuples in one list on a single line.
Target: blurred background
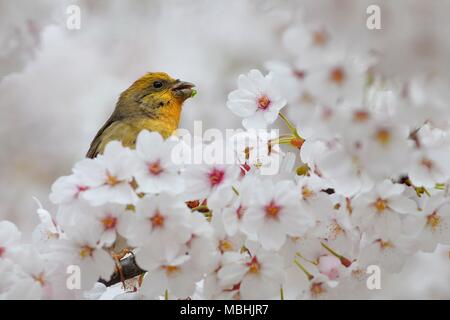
[(58, 86)]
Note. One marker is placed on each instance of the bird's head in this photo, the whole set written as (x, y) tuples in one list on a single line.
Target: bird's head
[(155, 93)]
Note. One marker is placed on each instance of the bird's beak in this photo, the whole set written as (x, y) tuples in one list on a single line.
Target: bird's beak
[(182, 89)]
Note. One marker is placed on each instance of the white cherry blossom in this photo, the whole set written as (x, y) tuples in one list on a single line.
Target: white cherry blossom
[(275, 214), (155, 170), (380, 211), (158, 219), (213, 182), (258, 276), (433, 224), (256, 100), (108, 176)]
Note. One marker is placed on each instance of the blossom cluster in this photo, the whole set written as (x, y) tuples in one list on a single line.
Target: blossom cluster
[(362, 181)]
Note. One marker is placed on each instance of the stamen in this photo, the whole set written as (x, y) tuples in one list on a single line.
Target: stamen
[(86, 251), (383, 136), (263, 102), (111, 180), (155, 168), (253, 266), (433, 220), (109, 222), (380, 205), (157, 220), (272, 210), (216, 177), (337, 75)]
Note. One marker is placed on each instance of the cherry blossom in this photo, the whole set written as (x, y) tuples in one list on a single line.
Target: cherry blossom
[(256, 100), (380, 210), (155, 171), (258, 276), (9, 238), (390, 253), (212, 182), (433, 223), (430, 159), (158, 219), (275, 214), (173, 275), (111, 219), (82, 249), (108, 176)]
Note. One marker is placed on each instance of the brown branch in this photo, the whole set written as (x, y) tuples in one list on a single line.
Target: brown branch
[(130, 269)]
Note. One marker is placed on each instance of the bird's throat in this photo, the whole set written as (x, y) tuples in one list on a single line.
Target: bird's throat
[(165, 120)]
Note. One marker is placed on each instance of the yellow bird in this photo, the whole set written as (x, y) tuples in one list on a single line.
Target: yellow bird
[(153, 102)]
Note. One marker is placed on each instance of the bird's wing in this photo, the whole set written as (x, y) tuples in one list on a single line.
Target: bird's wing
[(93, 149), (112, 130)]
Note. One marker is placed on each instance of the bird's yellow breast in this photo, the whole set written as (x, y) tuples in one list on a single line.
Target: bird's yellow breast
[(128, 129)]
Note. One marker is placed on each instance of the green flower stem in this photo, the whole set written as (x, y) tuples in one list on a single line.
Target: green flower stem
[(346, 262), (440, 186), (290, 125), (298, 254), (334, 253), (308, 274), (288, 139)]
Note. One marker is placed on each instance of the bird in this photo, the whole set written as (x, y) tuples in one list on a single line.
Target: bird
[(153, 102)]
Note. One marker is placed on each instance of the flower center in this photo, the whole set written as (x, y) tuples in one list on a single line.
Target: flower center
[(157, 220), (263, 102), (385, 244), (380, 205), (272, 210), (337, 75), (335, 230), (307, 192), (171, 270), (111, 180), (253, 266), (319, 38), (300, 74), (317, 289), (433, 220), (225, 245), (240, 212), (383, 136), (40, 279), (155, 168), (216, 177), (109, 222), (86, 251), (427, 163), (81, 189), (361, 116)]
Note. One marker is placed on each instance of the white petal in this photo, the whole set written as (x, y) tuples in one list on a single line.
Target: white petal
[(402, 205), (272, 235), (255, 287)]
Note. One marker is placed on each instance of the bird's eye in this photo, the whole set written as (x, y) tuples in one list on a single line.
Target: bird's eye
[(157, 84)]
